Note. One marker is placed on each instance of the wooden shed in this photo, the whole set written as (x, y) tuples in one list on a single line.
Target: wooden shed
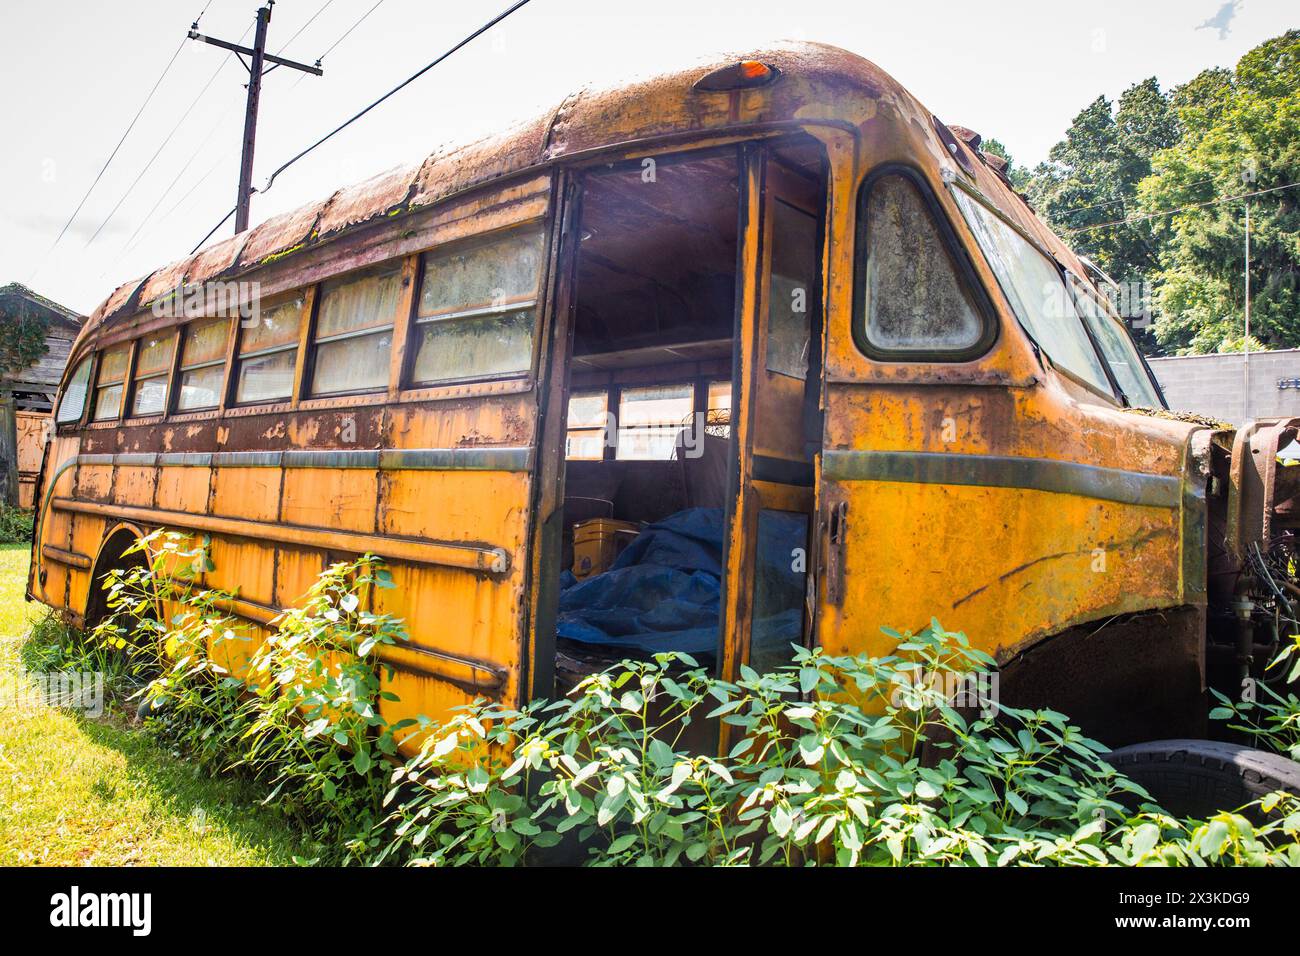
[(27, 392)]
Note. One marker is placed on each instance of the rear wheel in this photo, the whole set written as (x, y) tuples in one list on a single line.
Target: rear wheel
[(113, 556), (1198, 778)]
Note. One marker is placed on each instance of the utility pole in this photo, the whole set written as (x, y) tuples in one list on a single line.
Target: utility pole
[(258, 58), (1245, 365)]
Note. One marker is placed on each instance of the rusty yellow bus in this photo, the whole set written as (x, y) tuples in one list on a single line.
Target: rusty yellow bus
[(772, 311)]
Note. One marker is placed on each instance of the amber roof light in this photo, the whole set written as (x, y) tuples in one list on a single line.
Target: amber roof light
[(745, 75)]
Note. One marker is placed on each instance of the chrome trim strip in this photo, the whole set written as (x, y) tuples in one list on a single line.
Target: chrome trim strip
[(456, 459), (356, 458), (1006, 471), (190, 459)]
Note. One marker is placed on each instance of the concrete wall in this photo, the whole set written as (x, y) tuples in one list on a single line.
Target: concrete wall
[(1213, 384)]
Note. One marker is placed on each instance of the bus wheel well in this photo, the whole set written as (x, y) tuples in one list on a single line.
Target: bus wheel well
[(1122, 680), (112, 556)]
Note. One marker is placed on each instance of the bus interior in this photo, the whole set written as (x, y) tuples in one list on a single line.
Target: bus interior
[(648, 432)]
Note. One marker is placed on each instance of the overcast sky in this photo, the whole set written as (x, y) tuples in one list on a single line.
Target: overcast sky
[(75, 73)]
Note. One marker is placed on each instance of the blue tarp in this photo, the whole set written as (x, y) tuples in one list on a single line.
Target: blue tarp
[(662, 593)]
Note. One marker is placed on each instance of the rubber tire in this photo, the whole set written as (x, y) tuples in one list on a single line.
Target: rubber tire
[(1198, 778)]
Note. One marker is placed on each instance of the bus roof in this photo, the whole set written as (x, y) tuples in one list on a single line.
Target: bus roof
[(817, 83)]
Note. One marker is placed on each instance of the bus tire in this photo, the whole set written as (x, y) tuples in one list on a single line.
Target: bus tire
[(1198, 778)]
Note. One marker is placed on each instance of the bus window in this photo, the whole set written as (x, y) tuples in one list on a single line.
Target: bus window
[(718, 422), (268, 351), (112, 378), (1121, 355), (153, 364), (476, 310), (650, 419), (74, 396), (585, 438), (1032, 284), (354, 332), (913, 302), (794, 268), (203, 364)]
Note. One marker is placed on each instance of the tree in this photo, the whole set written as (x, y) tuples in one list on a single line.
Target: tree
[(1018, 175), (1241, 134), (23, 328), (1091, 178)]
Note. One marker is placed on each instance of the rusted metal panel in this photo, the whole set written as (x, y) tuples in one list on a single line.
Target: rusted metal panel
[(457, 167), (216, 259), (278, 235), (165, 281), (378, 196)]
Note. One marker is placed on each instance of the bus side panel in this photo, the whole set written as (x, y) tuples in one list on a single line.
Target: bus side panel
[(183, 488), (340, 498)]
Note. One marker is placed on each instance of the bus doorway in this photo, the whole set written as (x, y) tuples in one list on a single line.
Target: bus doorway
[(690, 422)]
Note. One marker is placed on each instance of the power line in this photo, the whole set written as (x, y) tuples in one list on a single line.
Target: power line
[(107, 162), (346, 32), (400, 86), (320, 59), (1111, 202), (1171, 212), (130, 242), (310, 20), (167, 139), (214, 229), (342, 126)]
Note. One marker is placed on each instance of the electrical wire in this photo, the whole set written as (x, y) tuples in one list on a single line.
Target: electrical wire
[(348, 31), (1171, 212), (321, 59), (213, 230), (1111, 202), (130, 242), (348, 122), (113, 154), (310, 20), (161, 146), (400, 86)]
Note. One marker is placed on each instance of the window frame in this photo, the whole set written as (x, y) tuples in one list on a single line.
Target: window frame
[(599, 430), (224, 360), (1114, 395), (1079, 287), (415, 322), (130, 395), (958, 255), (124, 383), (691, 384), (306, 315), (89, 361), (313, 304)]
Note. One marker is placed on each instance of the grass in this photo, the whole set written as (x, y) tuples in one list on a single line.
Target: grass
[(77, 791)]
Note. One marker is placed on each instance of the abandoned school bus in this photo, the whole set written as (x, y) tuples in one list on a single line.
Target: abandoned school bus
[(750, 355)]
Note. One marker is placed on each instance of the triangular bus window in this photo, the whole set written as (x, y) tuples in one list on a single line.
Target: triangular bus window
[(916, 296)]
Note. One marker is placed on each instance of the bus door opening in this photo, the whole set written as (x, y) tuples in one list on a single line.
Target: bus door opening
[(665, 316)]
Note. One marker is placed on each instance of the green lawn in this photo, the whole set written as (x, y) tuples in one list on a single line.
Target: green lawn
[(75, 791)]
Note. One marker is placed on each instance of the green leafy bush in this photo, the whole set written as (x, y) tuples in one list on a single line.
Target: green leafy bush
[(303, 717), (843, 760), (15, 525), (830, 760), (1270, 720)]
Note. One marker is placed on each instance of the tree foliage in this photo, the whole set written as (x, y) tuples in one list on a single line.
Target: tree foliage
[(23, 327), (1222, 134)]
